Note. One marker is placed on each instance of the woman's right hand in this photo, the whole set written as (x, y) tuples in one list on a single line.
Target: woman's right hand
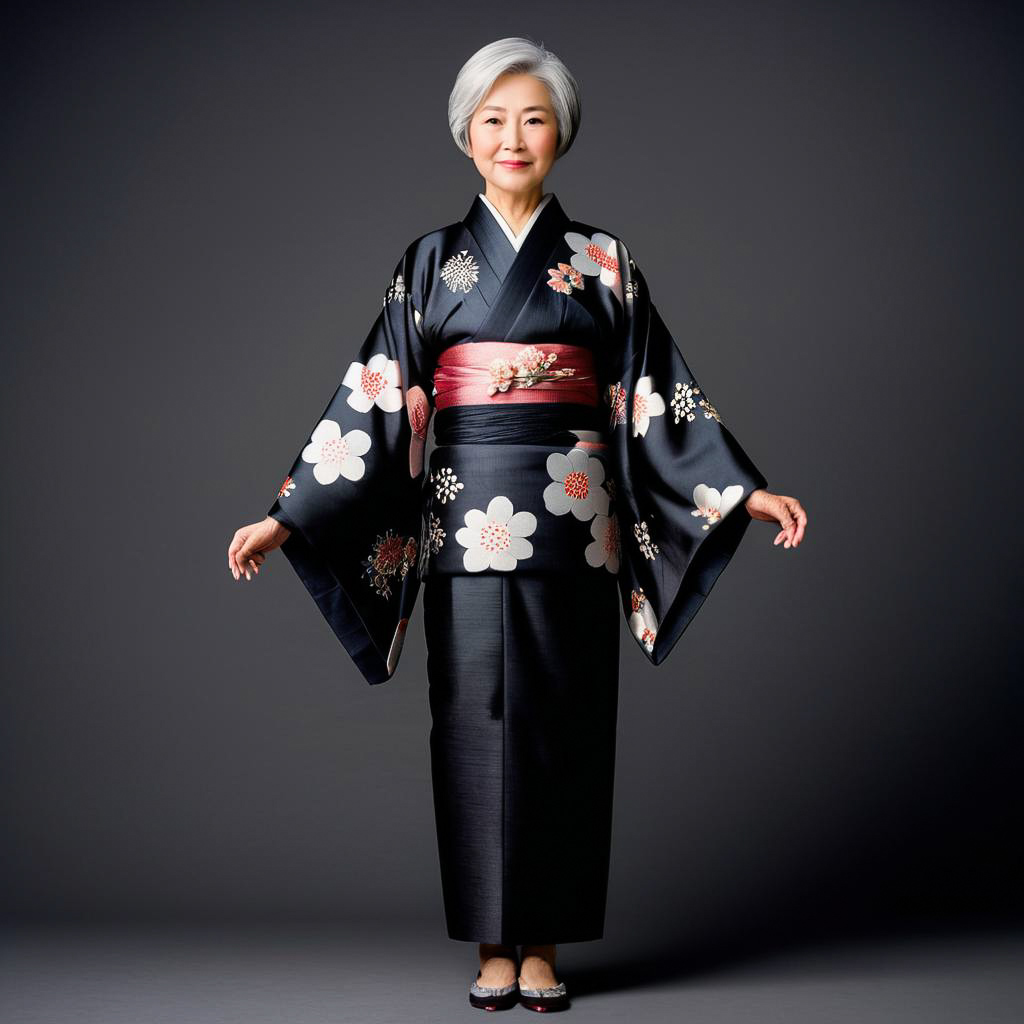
[(250, 544)]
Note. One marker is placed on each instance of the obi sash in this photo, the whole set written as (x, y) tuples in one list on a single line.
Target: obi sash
[(508, 372)]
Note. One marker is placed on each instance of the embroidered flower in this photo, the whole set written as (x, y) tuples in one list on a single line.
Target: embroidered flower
[(597, 256), (378, 383), (417, 408), (643, 621), (575, 486), (605, 549), (391, 559), (710, 412), (396, 290), (564, 278), (615, 396), (496, 539), (446, 484), (714, 506), (643, 539), (646, 403), (683, 402), (286, 488), (334, 455), (460, 271)]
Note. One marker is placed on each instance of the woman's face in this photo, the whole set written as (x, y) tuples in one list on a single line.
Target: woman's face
[(513, 134)]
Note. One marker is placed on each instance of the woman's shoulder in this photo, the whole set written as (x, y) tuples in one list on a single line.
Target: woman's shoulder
[(430, 244)]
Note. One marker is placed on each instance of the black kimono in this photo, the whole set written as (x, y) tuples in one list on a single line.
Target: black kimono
[(576, 469)]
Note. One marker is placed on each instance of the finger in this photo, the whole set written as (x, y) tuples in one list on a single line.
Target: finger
[(800, 520), (233, 548)]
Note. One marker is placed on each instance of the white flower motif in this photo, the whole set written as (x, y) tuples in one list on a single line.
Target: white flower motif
[(646, 403), (575, 485), (496, 539), (643, 539), (605, 548), (333, 455), (460, 271), (597, 256), (714, 506), (396, 290), (378, 383), (446, 484), (643, 621)]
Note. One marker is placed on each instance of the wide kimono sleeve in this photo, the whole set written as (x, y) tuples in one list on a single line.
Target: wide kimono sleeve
[(352, 497), (682, 477)]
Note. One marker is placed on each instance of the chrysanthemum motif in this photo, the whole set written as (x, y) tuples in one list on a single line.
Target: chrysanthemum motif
[(643, 539), (417, 408), (286, 488), (391, 559), (446, 484), (646, 403), (564, 278), (575, 486), (597, 257), (496, 538), (396, 290), (615, 396), (713, 505), (605, 549), (378, 383), (461, 271), (642, 620), (334, 455)]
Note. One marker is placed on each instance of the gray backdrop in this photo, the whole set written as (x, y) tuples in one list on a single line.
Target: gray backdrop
[(201, 209)]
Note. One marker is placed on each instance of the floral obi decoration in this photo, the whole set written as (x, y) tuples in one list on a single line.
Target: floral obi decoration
[(476, 373)]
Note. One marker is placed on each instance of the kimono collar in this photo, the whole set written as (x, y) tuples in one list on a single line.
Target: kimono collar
[(548, 224), (516, 240)]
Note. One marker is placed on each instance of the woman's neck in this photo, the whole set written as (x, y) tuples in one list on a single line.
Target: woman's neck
[(515, 207)]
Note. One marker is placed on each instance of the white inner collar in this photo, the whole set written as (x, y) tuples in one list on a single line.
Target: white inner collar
[(516, 240)]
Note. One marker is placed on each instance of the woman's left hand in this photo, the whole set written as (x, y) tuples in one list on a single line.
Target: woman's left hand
[(781, 509)]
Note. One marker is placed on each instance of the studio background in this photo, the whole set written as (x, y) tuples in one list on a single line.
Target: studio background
[(202, 205)]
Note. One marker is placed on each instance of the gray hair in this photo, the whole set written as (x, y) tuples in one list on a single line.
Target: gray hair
[(516, 55)]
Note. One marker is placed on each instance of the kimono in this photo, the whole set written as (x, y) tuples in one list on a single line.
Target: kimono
[(578, 472)]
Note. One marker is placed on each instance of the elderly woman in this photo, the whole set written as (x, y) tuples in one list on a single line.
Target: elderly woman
[(577, 468)]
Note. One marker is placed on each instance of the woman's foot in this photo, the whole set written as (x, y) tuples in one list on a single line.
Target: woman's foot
[(497, 965), (537, 968)]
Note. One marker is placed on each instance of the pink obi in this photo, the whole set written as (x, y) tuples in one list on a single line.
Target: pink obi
[(475, 373)]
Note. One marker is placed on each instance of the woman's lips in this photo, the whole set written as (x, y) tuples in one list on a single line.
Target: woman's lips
[(513, 164)]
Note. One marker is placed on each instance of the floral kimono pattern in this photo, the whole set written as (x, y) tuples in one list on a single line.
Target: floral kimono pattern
[(638, 475)]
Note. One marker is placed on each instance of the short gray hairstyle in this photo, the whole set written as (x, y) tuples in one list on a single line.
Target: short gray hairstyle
[(516, 55)]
